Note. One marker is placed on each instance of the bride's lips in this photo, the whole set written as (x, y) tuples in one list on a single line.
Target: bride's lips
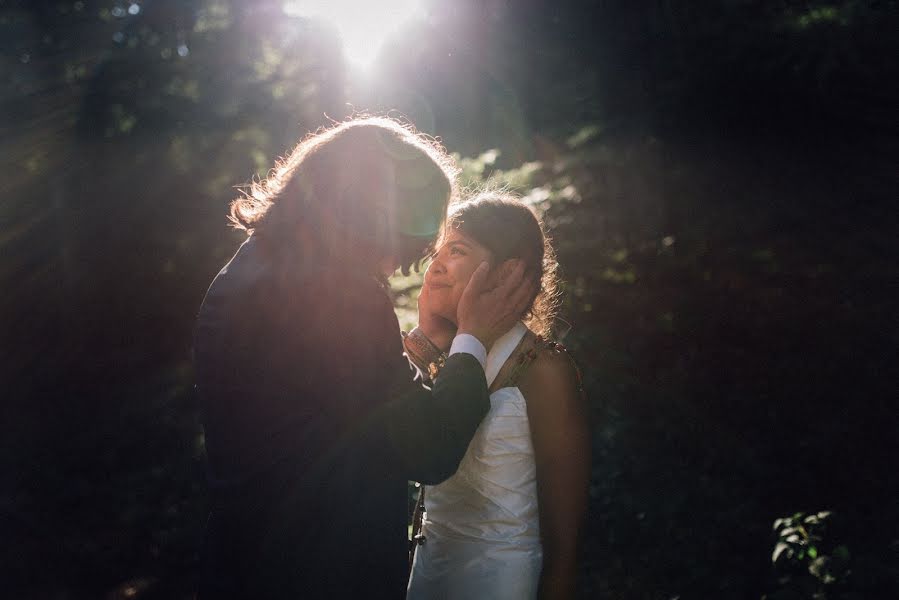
[(438, 286)]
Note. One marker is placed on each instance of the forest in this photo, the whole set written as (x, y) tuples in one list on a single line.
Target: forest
[(720, 182)]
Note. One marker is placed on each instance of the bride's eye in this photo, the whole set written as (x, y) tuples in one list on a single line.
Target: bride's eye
[(457, 251)]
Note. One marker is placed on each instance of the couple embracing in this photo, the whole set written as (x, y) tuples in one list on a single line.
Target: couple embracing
[(314, 422)]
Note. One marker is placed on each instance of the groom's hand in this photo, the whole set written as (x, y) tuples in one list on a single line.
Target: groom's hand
[(437, 329), (486, 311)]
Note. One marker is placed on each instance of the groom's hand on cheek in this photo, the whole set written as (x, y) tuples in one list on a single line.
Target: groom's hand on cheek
[(500, 273), (488, 313), (437, 329)]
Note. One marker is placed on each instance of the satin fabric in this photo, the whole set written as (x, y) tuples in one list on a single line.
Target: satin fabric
[(481, 525)]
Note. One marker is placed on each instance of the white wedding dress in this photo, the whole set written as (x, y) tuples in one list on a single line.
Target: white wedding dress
[(481, 525)]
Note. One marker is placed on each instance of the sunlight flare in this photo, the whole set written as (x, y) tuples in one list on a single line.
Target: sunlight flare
[(363, 25)]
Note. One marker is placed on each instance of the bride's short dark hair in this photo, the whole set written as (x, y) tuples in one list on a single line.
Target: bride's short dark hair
[(335, 188), (508, 228)]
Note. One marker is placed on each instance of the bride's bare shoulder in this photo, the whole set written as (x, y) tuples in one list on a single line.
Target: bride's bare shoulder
[(552, 375)]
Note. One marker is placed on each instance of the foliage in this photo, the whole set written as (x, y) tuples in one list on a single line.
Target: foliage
[(808, 562), (696, 319)]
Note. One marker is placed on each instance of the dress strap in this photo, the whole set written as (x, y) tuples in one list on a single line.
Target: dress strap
[(527, 353), (502, 349)]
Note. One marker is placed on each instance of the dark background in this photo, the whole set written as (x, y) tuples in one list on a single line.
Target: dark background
[(720, 179)]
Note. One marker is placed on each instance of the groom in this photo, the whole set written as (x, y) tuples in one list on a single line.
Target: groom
[(313, 423)]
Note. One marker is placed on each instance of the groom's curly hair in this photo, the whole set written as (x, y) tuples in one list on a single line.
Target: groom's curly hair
[(508, 228), (348, 191)]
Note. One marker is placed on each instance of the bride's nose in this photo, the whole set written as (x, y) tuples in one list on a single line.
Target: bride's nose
[(437, 267)]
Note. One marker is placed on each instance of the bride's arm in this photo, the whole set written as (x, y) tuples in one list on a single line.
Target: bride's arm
[(559, 429)]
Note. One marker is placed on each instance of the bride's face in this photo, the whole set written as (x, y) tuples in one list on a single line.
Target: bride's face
[(450, 269)]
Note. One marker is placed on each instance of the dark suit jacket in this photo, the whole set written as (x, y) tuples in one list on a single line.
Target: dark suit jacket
[(313, 426)]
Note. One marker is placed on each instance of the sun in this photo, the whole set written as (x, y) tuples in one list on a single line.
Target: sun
[(363, 25)]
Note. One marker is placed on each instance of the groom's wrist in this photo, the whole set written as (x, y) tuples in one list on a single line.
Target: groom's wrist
[(439, 337), (423, 353)]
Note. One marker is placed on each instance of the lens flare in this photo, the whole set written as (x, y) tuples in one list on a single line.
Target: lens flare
[(363, 25)]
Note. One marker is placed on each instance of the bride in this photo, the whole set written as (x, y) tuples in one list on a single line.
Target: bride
[(506, 524)]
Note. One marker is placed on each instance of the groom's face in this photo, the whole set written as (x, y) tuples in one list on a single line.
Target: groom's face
[(450, 269)]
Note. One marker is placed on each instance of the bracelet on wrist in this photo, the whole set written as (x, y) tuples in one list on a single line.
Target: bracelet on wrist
[(435, 367), (419, 343), (423, 353)]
